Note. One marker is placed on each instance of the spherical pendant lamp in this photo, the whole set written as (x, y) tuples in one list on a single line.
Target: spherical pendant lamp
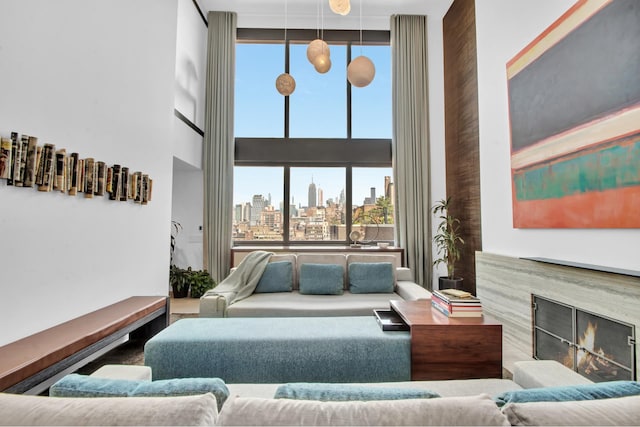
[(317, 47), (361, 71), (322, 63), (341, 7), (285, 84)]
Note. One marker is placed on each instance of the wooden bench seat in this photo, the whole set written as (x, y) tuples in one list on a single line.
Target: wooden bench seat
[(27, 365)]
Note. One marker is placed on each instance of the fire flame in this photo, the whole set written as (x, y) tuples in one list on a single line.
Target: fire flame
[(587, 358), (587, 342)]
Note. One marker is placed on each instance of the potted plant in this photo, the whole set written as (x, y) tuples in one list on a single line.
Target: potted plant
[(201, 281), (179, 279), (448, 242)]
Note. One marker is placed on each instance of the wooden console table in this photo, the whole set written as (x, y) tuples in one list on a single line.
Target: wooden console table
[(444, 348)]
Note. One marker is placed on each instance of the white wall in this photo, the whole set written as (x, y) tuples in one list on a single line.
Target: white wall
[(436, 123), (190, 92), (187, 210), (190, 83), (504, 27), (191, 57), (94, 77)]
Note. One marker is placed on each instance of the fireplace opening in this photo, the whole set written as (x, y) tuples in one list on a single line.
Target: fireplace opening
[(598, 347)]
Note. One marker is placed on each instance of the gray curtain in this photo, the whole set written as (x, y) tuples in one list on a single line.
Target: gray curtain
[(410, 98), (217, 154)]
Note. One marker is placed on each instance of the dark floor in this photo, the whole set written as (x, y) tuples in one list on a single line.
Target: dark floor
[(129, 353)]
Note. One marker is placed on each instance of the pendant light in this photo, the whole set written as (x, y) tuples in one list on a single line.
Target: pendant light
[(318, 50), (285, 83), (341, 7), (361, 70)]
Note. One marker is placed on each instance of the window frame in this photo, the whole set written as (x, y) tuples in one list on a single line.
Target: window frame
[(290, 152)]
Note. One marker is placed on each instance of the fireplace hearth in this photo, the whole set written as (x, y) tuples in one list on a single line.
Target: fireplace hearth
[(598, 347)]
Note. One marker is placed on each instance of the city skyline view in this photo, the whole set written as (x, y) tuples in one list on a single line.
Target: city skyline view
[(317, 109)]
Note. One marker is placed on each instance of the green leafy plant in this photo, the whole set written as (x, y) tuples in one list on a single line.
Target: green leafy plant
[(447, 238), (201, 282), (179, 279), (182, 280)]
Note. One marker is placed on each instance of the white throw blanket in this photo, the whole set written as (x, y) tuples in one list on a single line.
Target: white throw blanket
[(243, 280)]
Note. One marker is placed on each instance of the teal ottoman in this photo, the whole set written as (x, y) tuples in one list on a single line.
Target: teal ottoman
[(280, 350)]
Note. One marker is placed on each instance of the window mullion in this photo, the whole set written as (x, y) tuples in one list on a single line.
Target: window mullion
[(349, 45), (286, 206), (348, 204), (287, 64)]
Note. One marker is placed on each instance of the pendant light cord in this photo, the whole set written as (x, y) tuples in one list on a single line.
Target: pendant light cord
[(361, 27), (322, 21), (317, 19), (285, 22)]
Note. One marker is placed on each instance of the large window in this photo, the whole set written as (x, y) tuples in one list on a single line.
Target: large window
[(314, 166), (318, 107), (258, 111), (258, 204), (318, 213)]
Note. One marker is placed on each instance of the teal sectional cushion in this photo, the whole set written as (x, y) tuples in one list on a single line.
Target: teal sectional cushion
[(342, 392), (75, 385), (371, 277), (321, 279), (277, 277), (604, 390)]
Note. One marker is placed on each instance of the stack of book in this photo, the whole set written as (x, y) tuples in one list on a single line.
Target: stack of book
[(456, 303)]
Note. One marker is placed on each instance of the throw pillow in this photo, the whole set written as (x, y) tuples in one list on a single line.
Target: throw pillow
[(340, 392), (604, 390), (277, 277), (370, 277), (25, 410), (621, 411), (443, 411), (76, 385), (321, 279)]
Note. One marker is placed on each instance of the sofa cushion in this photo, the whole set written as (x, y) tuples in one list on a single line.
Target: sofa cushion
[(372, 257), (370, 277), (450, 411), (320, 258), (321, 279), (568, 393), (619, 411), (294, 304), (342, 392), (75, 385), (277, 277), (19, 409)]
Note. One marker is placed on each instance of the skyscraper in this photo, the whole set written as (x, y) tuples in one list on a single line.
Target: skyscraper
[(372, 199), (320, 197), (256, 209), (312, 195)]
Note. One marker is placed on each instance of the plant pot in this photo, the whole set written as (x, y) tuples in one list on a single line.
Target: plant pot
[(179, 293), (447, 283)]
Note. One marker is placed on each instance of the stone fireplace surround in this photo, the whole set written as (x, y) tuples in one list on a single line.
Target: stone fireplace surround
[(505, 285)]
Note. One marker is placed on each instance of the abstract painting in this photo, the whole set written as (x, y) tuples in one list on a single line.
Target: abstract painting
[(574, 113)]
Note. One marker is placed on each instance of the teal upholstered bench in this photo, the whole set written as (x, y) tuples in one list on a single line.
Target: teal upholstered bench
[(279, 350)]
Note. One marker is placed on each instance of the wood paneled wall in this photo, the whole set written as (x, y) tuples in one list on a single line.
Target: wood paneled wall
[(461, 131)]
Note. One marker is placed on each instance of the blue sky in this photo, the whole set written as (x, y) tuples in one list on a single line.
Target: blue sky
[(318, 109)]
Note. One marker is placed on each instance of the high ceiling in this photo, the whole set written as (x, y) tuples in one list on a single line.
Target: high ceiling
[(304, 13)]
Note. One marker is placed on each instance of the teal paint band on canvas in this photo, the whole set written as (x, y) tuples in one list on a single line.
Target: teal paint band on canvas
[(607, 169)]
